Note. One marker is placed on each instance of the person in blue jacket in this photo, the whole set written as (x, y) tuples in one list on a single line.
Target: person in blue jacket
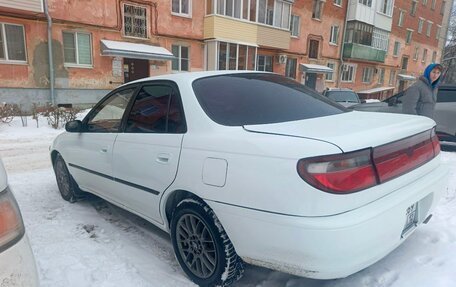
[(421, 97)]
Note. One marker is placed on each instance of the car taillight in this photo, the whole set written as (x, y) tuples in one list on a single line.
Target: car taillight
[(355, 171), (344, 173), (11, 225)]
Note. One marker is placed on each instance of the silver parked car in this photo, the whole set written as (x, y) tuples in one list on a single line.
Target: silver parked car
[(445, 110), (345, 97)]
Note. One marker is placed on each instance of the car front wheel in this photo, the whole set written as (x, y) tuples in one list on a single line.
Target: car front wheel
[(202, 246), (67, 186)]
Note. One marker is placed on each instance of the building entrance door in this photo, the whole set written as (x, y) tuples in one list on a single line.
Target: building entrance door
[(311, 80), (135, 69)]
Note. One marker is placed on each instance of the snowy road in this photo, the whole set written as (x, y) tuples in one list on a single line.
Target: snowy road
[(93, 243)]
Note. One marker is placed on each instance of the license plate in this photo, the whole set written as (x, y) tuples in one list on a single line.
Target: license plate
[(411, 218)]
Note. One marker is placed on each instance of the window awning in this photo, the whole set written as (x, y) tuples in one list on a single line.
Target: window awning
[(135, 51), (317, 69), (375, 90), (406, 77)]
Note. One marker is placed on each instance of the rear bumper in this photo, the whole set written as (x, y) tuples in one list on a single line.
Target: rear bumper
[(17, 265), (331, 246)]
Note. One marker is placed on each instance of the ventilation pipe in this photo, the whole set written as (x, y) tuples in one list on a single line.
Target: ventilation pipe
[(51, 60)]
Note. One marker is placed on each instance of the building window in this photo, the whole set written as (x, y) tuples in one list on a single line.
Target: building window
[(381, 76), (182, 7), (135, 21), (366, 2), (404, 64), (235, 56), (433, 4), (442, 9), (401, 18), (386, 7), (264, 63), (12, 43), (434, 56), (380, 39), (334, 35), (437, 33), (397, 47), (416, 54), (313, 49), (408, 37), (181, 62), (282, 14), (232, 8), (360, 33), (367, 74), (420, 25), (338, 2), (77, 48), (424, 56), (413, 9), (329, 76), (317, 9), (392, 78), (294, 25), (348, 73), (425, 2), (290, 68), (429, 28)]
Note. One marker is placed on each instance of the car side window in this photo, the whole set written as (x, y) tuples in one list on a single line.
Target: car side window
[(446, 96), (156, 109), (108, 116)]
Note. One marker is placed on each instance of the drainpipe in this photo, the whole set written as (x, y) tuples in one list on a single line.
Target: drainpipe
[(339, 77), (51, 60)]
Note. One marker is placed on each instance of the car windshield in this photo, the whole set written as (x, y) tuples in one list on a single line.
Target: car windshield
[(248, 99), (343, 96)]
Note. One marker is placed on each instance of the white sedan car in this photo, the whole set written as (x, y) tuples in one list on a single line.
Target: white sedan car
[(253, 167), (17, 263)]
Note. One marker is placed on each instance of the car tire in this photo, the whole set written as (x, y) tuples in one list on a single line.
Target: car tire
[(68, 188), (202, 247)]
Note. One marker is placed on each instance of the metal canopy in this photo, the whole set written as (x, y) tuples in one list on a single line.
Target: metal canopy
[(135, 51), (317, 69)]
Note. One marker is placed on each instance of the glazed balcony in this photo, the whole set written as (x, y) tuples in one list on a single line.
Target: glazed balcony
[(230, 29), (26, 5), (362, 52)]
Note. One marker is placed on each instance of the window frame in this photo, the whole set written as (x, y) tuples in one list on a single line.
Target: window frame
[(312, 49), (396, 50), (334, 36), (401, 19), (327, 79), (337, 3), (146, 28), (408, 36), (420, 25), (180, 59), (429, 28), (265, 65), (367, 3), (424, 57), (416, 54), (227, 56), (180, 13), (290, 72), (4, 39), (351, 74), (386, 8), (76, 48), (413, 8), (298, 33), (317, 9), (368, 73)]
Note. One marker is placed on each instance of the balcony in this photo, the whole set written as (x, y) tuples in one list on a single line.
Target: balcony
[(230, 29), (362, 52), (26, 5)]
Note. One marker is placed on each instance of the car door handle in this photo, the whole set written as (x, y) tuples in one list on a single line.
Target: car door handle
[(104, 149), (163, 157)]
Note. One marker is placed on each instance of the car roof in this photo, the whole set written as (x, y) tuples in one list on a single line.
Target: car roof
[(191, 76)]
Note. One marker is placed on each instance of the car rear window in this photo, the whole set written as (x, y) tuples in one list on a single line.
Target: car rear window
[(248, 99)]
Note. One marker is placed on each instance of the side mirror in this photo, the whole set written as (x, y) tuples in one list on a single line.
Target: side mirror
[(363, 101), (73, 126)]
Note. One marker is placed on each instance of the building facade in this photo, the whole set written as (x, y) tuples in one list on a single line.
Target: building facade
[(98, 46)]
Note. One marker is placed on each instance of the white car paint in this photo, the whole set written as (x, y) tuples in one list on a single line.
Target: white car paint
[(248, 176), (17, 263)]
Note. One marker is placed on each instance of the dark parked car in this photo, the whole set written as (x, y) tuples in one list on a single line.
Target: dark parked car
[(445, 110), (345, 97)]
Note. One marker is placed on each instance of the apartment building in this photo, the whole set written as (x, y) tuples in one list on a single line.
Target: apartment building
[(96, 47), (388, 43)]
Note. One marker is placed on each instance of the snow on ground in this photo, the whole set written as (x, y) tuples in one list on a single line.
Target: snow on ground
[(93, 243)]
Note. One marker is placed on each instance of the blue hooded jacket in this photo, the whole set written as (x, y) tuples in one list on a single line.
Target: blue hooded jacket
[(427, 74)]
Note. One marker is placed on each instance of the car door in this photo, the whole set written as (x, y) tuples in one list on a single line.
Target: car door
[(445, 110), (89, 155), (146, 154)]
